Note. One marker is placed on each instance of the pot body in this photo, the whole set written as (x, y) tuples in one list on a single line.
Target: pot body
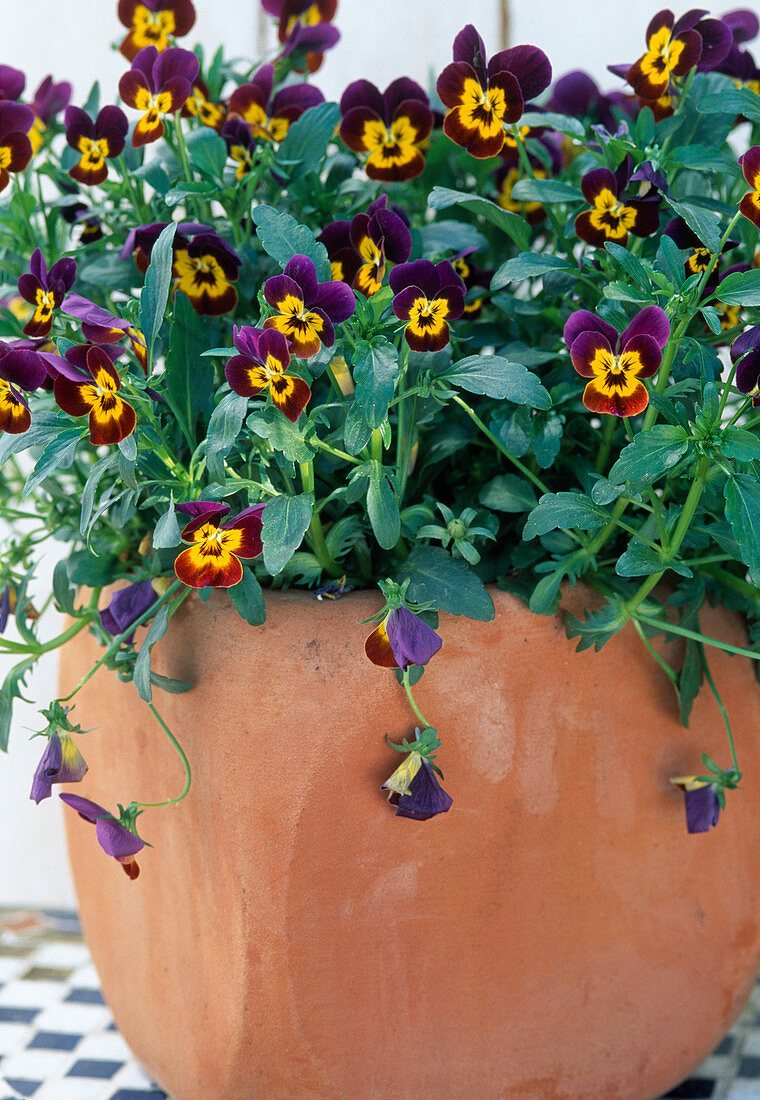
[(557, 935)]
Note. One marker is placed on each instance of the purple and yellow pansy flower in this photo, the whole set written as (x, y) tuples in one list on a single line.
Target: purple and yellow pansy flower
[(20, 369), (745, 353), (45, 291), (154, 23), (484, 97), (505, 179), (48, 101), (16, 121), (699, 258), (61, 762), (112, 833), (78, 214), (213, 559), (390, 126), (750, 203), (402, 639), (614, 363), (358, 250), (205, 269), (674, 47), (700, 801), (305, 309), (263, 365), (427, 296), (101, 327), (157, 84), (613, 217), (415, 790), (269, 117), (200, 105), (241, 145), (97, 141), (305, 29), (140, 240), (94, 393)]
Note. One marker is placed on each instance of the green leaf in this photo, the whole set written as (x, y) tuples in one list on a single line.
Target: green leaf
[(564, 510), (181, 190), (375, 370), (382, 507), (740, 289), (223, 429), (546, 439), (448, 583), (91, 488), (624, 292), (189, 378), (732, 101), (248, 599), (508, 493), (650, 455), (631, 264), (10, 690), (167, 531), (282, 237), (702, 222), (208, 152), (598, 626), (553, 121), (63, 592), (356, 430), (641, 560), (670, 261), (141, 675), (440, 198), (283, 435), (285, 522), (705, 158), (743, 513), (739, 444), (546, 191), (526, 266), (544, 599), (58, 455), (305, 144), (497, 377), (155, 292)]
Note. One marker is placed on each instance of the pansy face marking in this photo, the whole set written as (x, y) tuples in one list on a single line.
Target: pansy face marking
[(111, 418), (263, 365), (672, 50), (152, 28), (213, 559), (391, 147), (15, 417)]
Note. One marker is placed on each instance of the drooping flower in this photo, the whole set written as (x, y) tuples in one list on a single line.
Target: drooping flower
[(102, 327), (269, 117), (113, 834), (15, 147), (402, 639), (358, 249), (205, 268), (427, 296), (48, 101), (415, 790), (200, 105), (701, 803), (482, 97), (675, 47), (745, 353), (614, 363), (154, 23), (20, 369), (94, 393), (97, 141), (61, 762), (213, 560), (307, 309), (750, 203), (157, 84), (45, 290), (126, 606), (390, 126), (304, 29), (612, 217), (263, 365)]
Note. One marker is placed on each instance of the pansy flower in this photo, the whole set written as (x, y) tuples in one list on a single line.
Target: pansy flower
[(615, 363), (94, 393), (612, 217), (263, 365), (389, 125), (48, 100), (745, 353), (97, 141), (12, 83), (358, 249), (415, 790), (140, 240), (205, 269), (269, 117), (241, 145), (427, 296), (304, 29), (483, 97), (472, 276), (305, 309), (675, 47), (699, 258), (126, 606), (153, 23), (701, 803), (402, 639), (45, 290), (61, 762), (15, 147), (200, 105), (505, 179), (213, 560), (5, 607), (101, 327), (157, 84), (113, 835), (750, 204), (578, 95), (20, 369), (77, 213)]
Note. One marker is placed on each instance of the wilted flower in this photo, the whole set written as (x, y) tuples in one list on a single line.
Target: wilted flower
[(614, 363), (427, 297), (213, 559), (701, 802), (389, 125), (157, 84), (154, 23), (484, 97), (94, 393), (414, 787), (611, 217), (269, 117), (97, 141), (61, 762), (126, 606), (307, 309), (45, 290), (402, 639), (113, 835)]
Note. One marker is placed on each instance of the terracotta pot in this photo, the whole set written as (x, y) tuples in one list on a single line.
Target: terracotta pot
[(556, 935)]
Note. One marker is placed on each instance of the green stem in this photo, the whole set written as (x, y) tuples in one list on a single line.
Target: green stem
[(183, 758), (669, 672), (500, 446), (316, 532), (683, 632), (376, 446), (412, 703), (721, 706), (739, 585), (182, 148), (135, 192), (604, 450), (314, 442), (527, 168)]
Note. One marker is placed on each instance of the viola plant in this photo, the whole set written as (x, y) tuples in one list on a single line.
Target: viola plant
[(426, 341)]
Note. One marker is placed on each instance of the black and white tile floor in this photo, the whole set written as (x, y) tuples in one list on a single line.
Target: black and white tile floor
[(58, 1040)]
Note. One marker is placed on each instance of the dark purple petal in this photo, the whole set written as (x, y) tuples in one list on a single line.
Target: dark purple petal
[(651, 321), (203, 511), (314, 39), (12, 82), (398, 91), (85, 310), (142, 64), (425, 797), (263, 81), (127, 605), (748, 341), (717, 41), (530, 65), (362, 93), (292, 101), (5, 607), (302, 271), (388, 227), (279, 287), (65, 270), (15, 117), (574, 93), (78, 124), (246, 339), (50, 98), (419, 273), (748, 371), (413, 642), (743, 24), (585, 321), (702, 809), (470, 48), (87, 809), (336, 300), (686, 22), (61, 762), (23, 366), (116, 840), (38, 267)]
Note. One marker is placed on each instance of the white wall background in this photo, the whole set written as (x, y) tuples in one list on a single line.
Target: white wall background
[(381, 41)]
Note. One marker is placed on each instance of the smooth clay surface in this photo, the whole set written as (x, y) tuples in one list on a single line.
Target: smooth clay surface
[(556, 936)]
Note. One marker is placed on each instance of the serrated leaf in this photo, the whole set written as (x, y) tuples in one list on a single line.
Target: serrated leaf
[(282, 238), (497, 377), (440, 198), (650, 455), (141, 674), (598, 626), (155, 292), (564, 510), (743, 513), (375, 370), (285, 521), (449, 584)]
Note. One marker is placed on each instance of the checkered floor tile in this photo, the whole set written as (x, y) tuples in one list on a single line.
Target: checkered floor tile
[(58, 1040)]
